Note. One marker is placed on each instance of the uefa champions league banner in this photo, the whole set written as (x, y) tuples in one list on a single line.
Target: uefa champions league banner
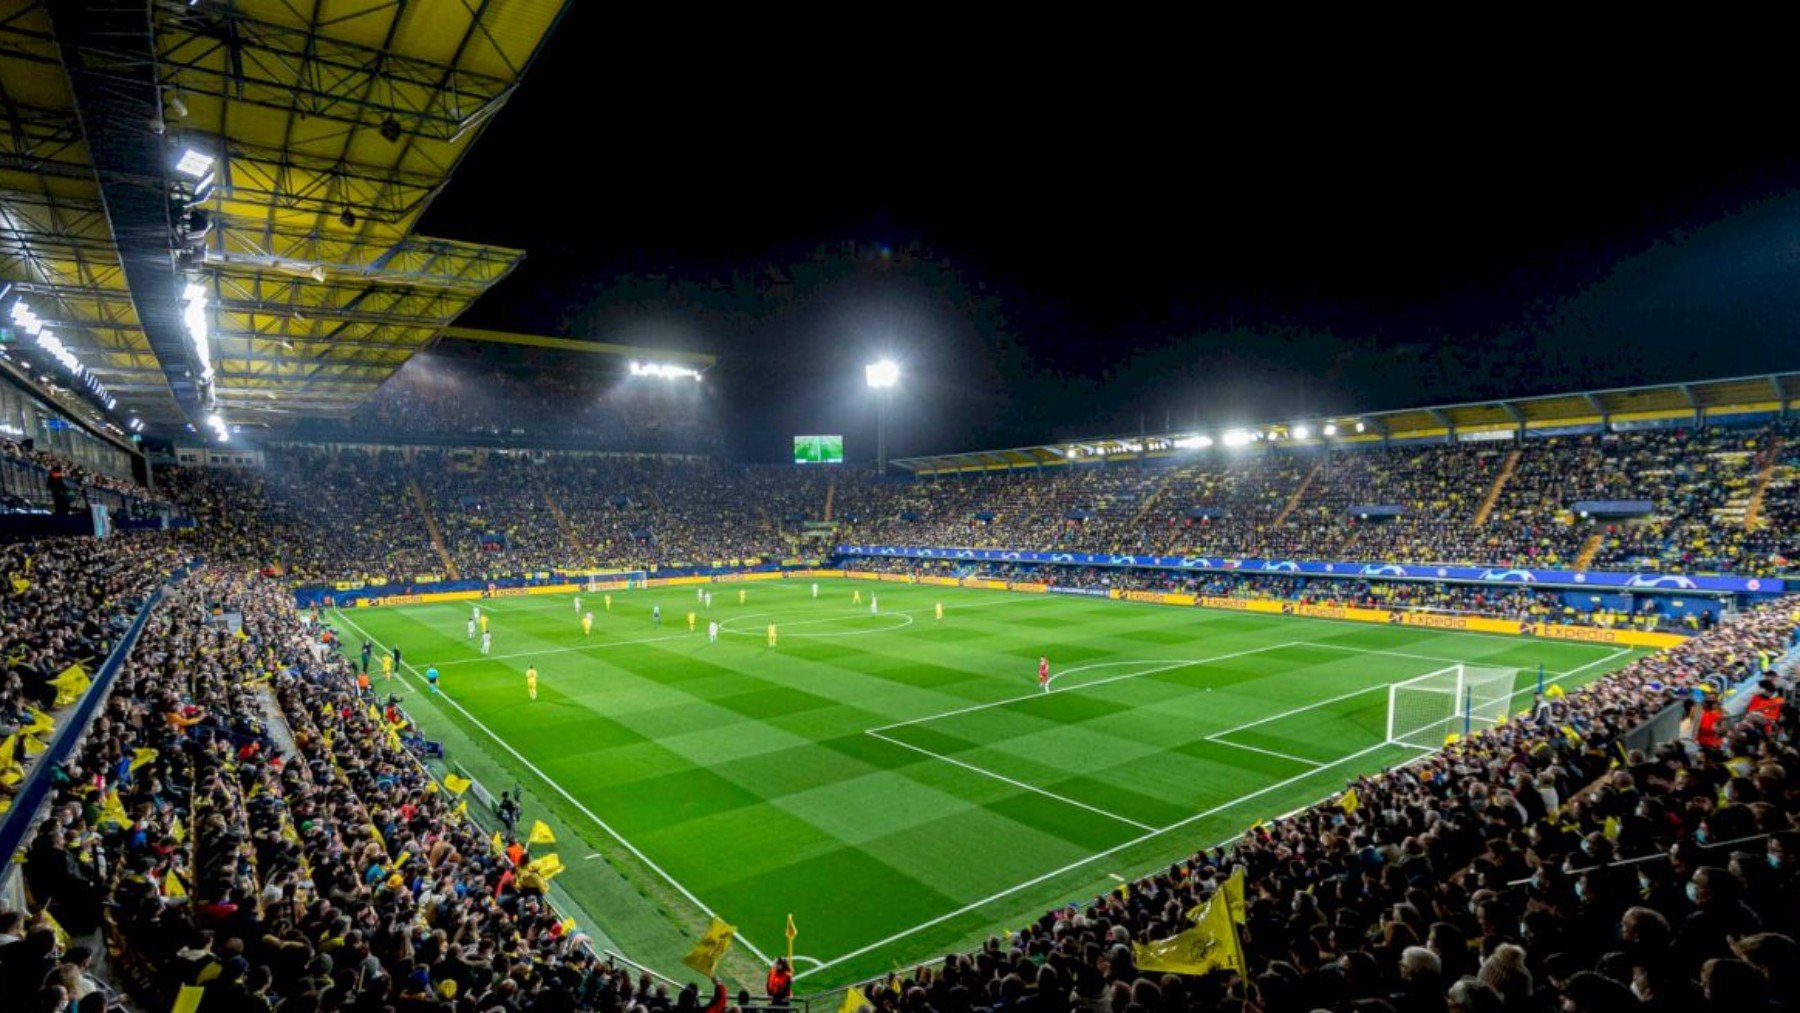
[(1601, 579)]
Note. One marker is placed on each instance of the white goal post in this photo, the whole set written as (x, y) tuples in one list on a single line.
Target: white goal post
[(1423, 712), (620, 581)]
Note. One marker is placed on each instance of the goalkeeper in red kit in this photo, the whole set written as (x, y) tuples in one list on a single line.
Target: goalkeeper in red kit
[(1044, 674)]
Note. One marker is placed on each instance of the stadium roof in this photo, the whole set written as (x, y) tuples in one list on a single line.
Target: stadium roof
[(330, 126), (1737, 395)]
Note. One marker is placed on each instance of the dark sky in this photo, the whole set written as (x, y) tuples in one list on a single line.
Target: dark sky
[(1203, 239)]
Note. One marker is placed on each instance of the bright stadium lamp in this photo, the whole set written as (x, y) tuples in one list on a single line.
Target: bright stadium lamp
[(882, 377), (1301, 432), (885, 373), (194, 163), (1330, 429), (1236, 438), (1360, 427)]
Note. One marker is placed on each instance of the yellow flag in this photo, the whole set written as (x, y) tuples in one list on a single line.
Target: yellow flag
[(177, 831), (540, 833), (70, 684), (40, 722), (20, 584), (113, 811), (50, 922), (462, 809), (855, 1001), (711, 947), (1555, 692), (1350, 802), (567, 925), (499, 843), (1211, 945), (189, 999), (139, 757), (547, 866), (456, 785), (8, 764), (1233, 892), (172, 885)]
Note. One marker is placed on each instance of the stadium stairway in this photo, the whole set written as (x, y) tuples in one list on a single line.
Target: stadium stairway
[(1589, 549), (1771, 457), (431, 528), (830, 493), (1299, 491), (562, 522), (1507, 468), (1151, 499)]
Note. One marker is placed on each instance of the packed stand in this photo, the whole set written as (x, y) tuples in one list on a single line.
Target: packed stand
[(244, 819), (66, 602), (1481, 879)]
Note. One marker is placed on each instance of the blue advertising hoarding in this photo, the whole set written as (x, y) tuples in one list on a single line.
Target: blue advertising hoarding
[(1387, 571)]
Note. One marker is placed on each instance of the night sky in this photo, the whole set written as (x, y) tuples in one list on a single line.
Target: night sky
[(1072, 244)]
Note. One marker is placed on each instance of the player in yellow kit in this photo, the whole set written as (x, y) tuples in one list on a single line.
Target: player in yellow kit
[(690, 620), (587, 624), (531, 681), (608, 600), (483, 622), (742, 594), (771, 634), (940, 610), (387, 665), (856, 597)]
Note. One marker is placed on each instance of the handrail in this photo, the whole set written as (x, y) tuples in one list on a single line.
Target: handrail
[(35, 789)]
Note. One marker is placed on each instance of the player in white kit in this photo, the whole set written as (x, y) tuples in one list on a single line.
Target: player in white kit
[(487, 641), (471, 635), (712, 632), (874, 605)]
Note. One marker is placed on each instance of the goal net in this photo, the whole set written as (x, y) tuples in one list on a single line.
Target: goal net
[(624, 580), (1423, 712)]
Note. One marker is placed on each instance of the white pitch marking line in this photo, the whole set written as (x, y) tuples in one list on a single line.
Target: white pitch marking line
[(1115, 849), (559, 650), (1266, 752), (1404, 654), (572, 800), (1222, 807), (1116, 876), (1017, 784), (1158, 666)]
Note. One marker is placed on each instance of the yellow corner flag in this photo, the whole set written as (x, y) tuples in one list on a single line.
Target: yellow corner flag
[(711, 947), (1211, 945), (456, 785), (1350, 802), (791, 933), (855, 1001), (540, 833)]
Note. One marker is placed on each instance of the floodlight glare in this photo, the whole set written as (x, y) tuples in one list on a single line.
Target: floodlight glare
[(1194, 442), (663, 371), (885, 373), (1360, 427), (1236, 438), (194, 163), (1301, 432), (1330, 429)]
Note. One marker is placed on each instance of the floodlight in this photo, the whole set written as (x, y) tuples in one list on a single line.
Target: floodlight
[(1360, 427), (1194, 442), (1330, 429), (885, 373), (1301, 432), (1236, 438), (194, 163)]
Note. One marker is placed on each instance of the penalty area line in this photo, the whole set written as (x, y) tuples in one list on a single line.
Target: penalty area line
[(571, 799)]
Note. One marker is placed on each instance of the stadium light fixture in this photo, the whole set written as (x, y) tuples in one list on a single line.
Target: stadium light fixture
[(194, 314), (885, 373), (1194, 442), (664, 371), (1236, 438), (194, 163), (1360, 427), (1330, 429), (1301, 432)]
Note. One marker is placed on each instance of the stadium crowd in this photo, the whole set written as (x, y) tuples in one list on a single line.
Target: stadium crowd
[(500, 513), (246, 817)]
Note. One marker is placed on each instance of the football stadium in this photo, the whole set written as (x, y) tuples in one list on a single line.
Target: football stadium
[(478, 541)]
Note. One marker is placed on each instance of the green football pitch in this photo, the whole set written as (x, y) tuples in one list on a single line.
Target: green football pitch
[(896, 782)]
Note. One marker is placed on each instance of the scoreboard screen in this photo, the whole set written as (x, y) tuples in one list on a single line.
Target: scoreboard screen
[(818, 450)]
